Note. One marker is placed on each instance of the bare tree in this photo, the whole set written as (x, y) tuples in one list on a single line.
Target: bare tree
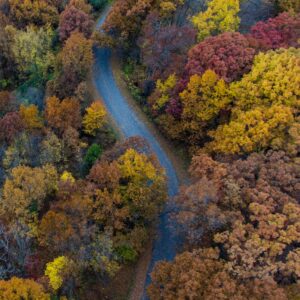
[(15, 248)]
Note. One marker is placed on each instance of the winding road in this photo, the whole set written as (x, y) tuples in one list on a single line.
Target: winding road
[(166, 242), (127, 120)]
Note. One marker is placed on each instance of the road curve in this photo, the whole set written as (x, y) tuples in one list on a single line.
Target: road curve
[(167, 242)]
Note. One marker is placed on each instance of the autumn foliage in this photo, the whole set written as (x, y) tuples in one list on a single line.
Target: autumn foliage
[(51, 135), (248, 210), (124, 20), (289, 5), (17, 288), (265, 105), (40, 12), (279, 32), (230, 55), (24, 194), (31, 117), (94, 118), (127, 198), (256, 112), (78, 209), (75, 61), (62, 114), (74, 19), (163, 48), (220, 16), (11, 124), (204, 276)]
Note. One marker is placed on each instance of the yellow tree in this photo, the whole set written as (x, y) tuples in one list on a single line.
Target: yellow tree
[(67, 177), (56, 271), (220, 16), (204, 97), (136, 167), (274, 79), (253, 130), (265, 105), (202, 100), (94, 118), (163, 90), (30, 116), (25, 289), (168, 7), (146, 187)]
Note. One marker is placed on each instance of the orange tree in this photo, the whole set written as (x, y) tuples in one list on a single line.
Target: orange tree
[(17, 288), (38, 12)]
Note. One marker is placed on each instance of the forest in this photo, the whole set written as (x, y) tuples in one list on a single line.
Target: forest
[(80, 204)]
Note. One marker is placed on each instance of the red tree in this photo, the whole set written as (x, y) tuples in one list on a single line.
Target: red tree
[(280, 32), (10, 125), (163, 49), (7, 103), (229, 54), (72, 19)]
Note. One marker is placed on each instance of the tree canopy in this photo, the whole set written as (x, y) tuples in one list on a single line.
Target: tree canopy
[(220, 16), (26, 289)]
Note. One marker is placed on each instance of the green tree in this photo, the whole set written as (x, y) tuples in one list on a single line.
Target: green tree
[(98, 4), (92, 154)]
